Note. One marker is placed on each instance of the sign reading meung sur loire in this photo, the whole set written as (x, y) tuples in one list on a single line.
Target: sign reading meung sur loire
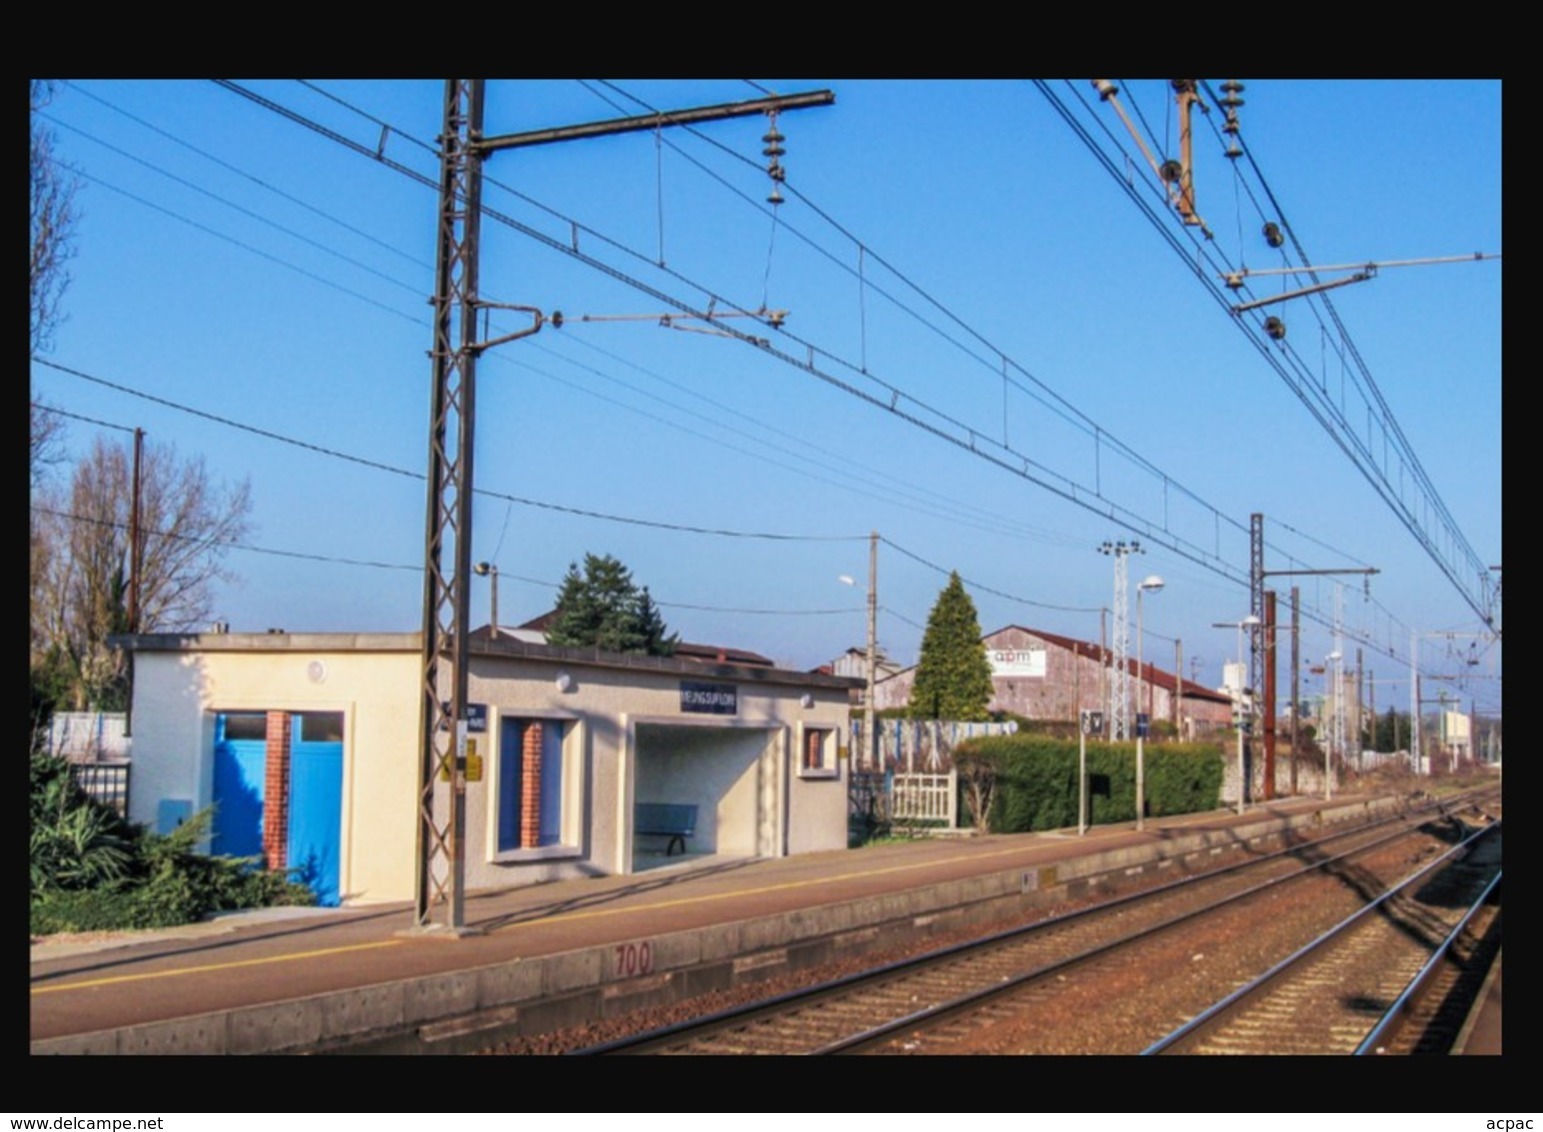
[(1017, 662), (713, 699)]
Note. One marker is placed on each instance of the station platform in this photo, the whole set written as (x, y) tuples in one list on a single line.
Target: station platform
[(540, 957), (1481, 1036)]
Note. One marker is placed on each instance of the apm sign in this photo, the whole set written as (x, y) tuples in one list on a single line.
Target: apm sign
[(1017, 662), (711, 699)]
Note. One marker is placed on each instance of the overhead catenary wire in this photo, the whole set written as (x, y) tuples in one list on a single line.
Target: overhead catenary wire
[(1330, 417), (923, 423), (925, 416), (971, 438), (431, 151)]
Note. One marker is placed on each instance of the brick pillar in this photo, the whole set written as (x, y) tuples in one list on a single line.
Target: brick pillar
[(276, 792), (530, 787)]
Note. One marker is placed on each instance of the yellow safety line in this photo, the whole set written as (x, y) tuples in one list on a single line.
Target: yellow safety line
[(561, 917), (214, 967), (755, 891)]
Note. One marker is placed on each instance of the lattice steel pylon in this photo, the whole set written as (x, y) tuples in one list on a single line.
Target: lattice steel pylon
[(441, 812), (441, 827), (1120, 684), (441, 823)]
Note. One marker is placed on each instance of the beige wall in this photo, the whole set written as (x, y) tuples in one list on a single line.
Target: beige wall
[(178, 694), (624, 730)]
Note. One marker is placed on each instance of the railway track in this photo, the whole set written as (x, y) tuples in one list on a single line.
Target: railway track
[(937, 1000), (1377, 982)]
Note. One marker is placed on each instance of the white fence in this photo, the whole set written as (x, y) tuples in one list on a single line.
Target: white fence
[(88, 736), (926, 797)]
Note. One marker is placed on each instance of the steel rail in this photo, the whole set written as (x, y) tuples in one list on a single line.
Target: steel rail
[(737, 1017), (1397, 1014), (1252, 989)]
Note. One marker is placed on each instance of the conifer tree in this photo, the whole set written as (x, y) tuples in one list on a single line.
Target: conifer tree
[(953, 677), (603, 608)]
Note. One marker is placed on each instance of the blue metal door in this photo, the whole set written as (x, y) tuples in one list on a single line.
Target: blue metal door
[(315, 812), (314, 837), (240, 760)]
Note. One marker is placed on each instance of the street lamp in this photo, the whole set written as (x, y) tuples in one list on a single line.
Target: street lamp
[(1333, 660), (1249, 622), (1154, 583), (483, 569), (869, 738)]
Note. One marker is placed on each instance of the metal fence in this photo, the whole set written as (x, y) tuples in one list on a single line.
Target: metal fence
[(107, 782)]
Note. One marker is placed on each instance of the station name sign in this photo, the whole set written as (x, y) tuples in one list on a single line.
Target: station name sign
[(711, 699)]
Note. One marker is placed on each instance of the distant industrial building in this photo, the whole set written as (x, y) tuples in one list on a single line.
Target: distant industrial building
[(1045, 676)]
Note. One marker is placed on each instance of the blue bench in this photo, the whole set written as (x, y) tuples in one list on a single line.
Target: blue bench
[(675, 820)]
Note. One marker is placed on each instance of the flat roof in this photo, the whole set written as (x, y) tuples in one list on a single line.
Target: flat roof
[(501, 647)]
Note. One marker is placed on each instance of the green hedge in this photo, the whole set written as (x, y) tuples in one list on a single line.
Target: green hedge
[(1036, 780)]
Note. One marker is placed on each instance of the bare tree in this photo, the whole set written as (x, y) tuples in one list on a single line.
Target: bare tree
[(978, 777), (47, 439), (83, 569), (53, 225), (53, 222)]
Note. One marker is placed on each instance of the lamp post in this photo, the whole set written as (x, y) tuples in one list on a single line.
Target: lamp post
[(1334, 732), (1154, 583), (1249, 622), (483, 569), (869, 739)]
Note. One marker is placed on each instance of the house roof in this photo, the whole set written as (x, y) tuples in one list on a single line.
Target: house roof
[(485, 645), (685, 650), (1153, 675)]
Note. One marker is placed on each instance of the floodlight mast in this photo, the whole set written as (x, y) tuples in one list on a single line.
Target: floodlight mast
[(1119, 691)]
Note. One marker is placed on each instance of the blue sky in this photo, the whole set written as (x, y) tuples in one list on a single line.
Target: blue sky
[(936, 234)]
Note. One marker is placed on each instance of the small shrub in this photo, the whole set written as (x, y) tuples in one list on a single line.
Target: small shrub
[(93, 871)]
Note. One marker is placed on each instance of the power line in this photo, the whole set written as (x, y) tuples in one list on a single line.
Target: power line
[(924, 416), (1106, 508), (378, 466), (892, 389), (984, 588)]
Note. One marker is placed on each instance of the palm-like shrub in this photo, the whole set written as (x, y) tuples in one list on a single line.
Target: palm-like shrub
[(93, 871)]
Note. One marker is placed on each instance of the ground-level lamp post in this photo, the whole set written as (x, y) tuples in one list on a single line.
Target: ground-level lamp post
[(1333, 737), (869, 758), (1250, 622), (1154, 583)]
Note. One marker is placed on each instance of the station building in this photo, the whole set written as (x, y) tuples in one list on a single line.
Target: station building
[(309, 747)]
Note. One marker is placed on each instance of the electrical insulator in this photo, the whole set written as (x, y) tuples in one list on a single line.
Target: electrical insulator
[(1272, 234), (1106, 89), (773, 140), (1275, 328), (1170, 170), (1230, 100)]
